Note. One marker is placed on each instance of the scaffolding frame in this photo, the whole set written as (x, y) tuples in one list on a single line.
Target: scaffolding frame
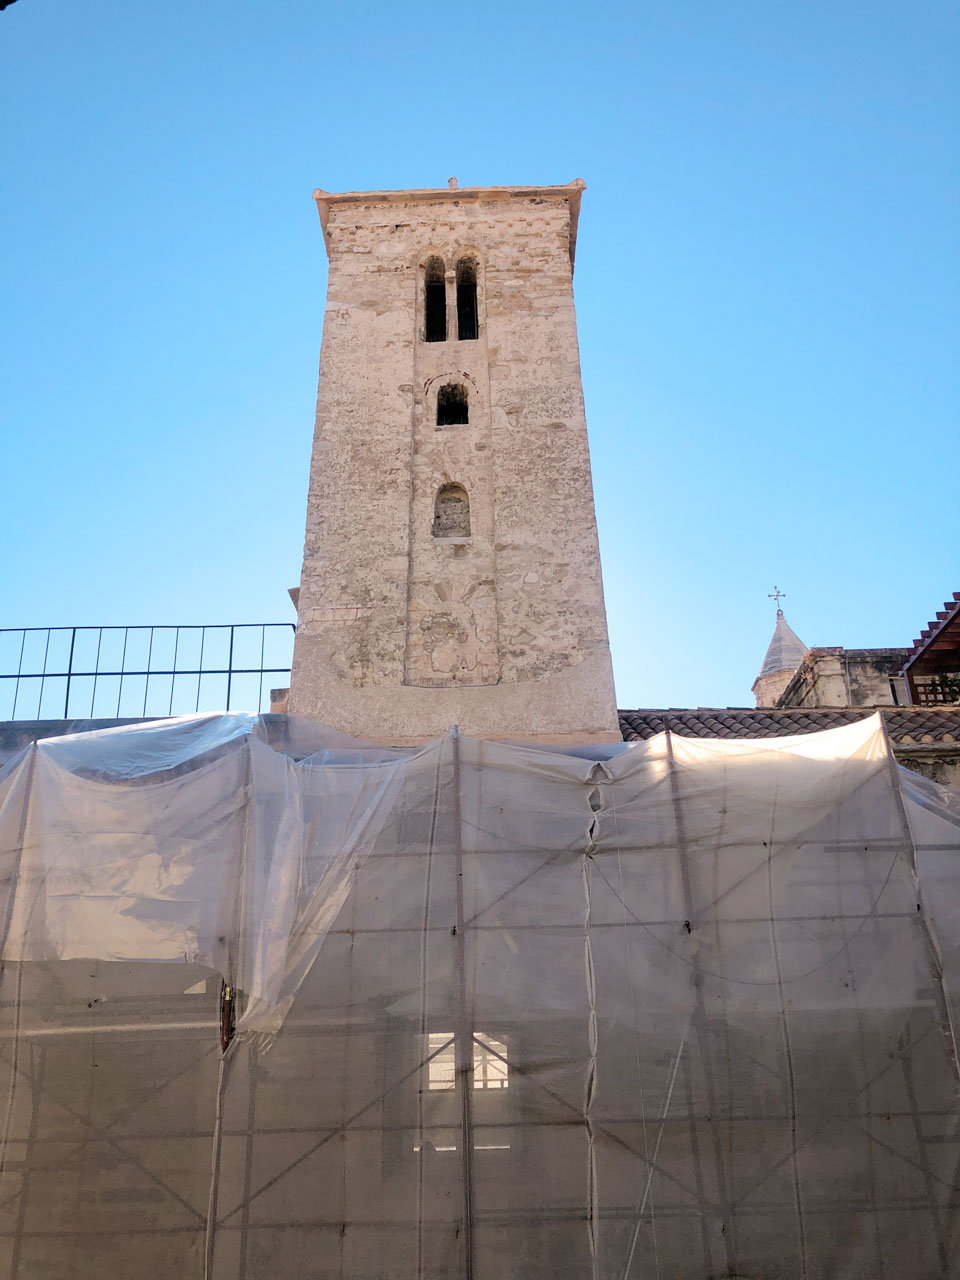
[(662, 1168)]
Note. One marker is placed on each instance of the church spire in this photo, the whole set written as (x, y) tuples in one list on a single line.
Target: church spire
[(784, 655)]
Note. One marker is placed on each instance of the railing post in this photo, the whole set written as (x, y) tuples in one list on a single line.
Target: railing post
[(96, 672), (43, 673), (203, 640), (263, 648), (16, 691), (173, 675), (146, 683), (66, 701), (123, 664), (230, 669)]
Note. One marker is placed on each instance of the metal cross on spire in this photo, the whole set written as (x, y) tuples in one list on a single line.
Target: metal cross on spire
[(776, 594)]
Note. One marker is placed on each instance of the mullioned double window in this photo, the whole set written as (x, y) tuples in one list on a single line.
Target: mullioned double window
[(435, 300)]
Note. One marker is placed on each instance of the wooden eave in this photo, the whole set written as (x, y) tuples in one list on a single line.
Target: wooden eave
[(938, 642)]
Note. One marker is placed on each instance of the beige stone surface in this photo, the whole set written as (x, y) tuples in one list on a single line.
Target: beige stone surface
[(402, 632), (768, 689), (837, 677)]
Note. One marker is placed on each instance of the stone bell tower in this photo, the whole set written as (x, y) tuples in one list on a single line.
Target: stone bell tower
[(451, 573)]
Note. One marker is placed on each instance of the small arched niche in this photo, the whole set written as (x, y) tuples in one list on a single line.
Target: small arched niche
[(468, 325), (451, 512), (453, 409), (434, 300)]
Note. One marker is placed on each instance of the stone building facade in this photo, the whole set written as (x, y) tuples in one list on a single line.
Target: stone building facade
[(451, 570), (837, 677), (802, 690)]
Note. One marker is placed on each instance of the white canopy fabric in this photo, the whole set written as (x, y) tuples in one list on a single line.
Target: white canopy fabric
[(680, 1008)]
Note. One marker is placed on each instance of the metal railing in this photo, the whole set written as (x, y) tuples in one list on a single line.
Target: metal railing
[(74, 673)]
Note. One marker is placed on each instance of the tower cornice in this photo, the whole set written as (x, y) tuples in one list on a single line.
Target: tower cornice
[(570, 191)]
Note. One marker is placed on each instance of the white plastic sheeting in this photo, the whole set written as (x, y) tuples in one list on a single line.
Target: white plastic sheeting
[(682, 1008)]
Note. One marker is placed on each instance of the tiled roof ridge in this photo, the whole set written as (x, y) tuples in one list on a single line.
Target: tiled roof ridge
[(911, 725)]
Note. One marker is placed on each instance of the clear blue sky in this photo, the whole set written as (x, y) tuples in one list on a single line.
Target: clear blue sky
[(767, 291)]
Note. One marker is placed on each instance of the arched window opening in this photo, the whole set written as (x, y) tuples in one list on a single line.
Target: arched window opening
[(451, 512), (452, 407), (435, 301), (467, 322)]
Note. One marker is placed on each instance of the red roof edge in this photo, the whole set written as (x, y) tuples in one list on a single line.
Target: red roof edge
[(943, 620)]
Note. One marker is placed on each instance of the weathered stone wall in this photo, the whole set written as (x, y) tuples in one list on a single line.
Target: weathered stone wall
[(768, 689), (868, 673), (837, 677), (939, 763), (403, 633)]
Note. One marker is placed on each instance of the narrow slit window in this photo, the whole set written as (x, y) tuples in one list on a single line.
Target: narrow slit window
[(452, 407), (467, 323), (451, 513), (435, 301)]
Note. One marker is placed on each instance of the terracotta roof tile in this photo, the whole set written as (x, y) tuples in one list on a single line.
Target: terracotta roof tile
[(904, 724)]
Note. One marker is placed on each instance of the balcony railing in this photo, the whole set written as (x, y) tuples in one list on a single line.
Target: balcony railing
[(79, 673), (935, 689)]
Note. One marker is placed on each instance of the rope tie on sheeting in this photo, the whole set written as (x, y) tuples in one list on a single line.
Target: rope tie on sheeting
[(594, 801)]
